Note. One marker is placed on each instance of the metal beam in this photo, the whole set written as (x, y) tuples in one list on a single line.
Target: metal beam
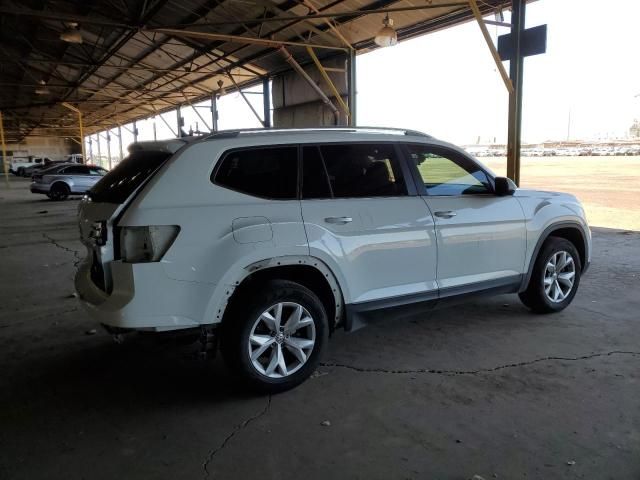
[(241, 39), (296, 66), (490, 44), (331, 85), (246, 99)]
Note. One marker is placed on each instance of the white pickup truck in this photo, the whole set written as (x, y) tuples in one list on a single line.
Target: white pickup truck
[(18, 165)]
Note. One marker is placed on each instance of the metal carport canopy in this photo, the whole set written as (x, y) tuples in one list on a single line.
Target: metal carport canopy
[(128, 68)]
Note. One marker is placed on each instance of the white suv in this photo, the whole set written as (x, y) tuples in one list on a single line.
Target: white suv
[(277, 237)]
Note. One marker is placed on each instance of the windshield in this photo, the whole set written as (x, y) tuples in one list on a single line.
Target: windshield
[(117, 185)]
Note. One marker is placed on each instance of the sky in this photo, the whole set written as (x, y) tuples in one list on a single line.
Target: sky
[(585, 87), (447, 84)]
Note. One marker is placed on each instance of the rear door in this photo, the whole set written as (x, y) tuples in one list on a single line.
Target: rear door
[(481, 237), (363, 218)]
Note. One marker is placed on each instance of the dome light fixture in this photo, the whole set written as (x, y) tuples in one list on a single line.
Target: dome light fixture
[(71, 34), (387, 36)]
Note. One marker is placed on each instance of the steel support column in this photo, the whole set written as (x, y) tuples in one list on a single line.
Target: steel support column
[(135, 132), (108, 134), (120, 142), (4, 151), (515, 97), (99, 150), (351, 84), (179, 122), (90, 149), (266, 102), (214, 113)]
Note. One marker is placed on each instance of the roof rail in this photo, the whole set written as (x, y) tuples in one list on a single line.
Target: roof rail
[(237, 132)]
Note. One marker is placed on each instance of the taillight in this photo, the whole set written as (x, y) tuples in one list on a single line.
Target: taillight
[(146, 244)]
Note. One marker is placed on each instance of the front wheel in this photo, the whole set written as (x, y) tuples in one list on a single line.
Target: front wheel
[(555, 277), (274, 341)]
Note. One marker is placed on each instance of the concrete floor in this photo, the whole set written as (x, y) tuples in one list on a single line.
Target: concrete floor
[(483, 389)]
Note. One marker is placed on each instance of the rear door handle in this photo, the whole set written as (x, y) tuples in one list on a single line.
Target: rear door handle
[(338, 220), (445, 214)]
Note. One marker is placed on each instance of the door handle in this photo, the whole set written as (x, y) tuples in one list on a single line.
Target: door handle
[(445, 214), (338, 220)]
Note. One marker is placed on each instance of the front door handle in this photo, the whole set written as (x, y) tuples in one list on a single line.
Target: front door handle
[(445, 214), (338, 220)]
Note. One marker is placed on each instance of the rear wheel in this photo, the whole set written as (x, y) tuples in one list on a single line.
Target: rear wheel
[(59, 191), (555, 277), (274, 341), (20, 172)]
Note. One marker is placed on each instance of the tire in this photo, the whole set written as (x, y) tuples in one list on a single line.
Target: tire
[(20, 172), (59, 191), (549, 290), (245, 319)]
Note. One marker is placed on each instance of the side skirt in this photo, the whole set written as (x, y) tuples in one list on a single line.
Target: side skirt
[(357, 315)]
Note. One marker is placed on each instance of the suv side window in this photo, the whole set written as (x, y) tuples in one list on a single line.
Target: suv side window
[(79, 170), (351, 171), (447, 173), (268, 172)]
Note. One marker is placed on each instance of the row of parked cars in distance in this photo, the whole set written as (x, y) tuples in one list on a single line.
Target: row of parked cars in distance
[(26, 167), (560, 151)]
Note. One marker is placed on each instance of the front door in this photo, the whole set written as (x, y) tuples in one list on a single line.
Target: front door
[(362, 220), (481, 237)]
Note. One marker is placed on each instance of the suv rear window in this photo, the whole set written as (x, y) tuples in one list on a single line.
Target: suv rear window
[(267, 172), (117, 185)]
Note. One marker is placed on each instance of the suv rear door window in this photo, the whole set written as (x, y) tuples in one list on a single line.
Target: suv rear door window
[(352, 171), (117, 185), (267, 172)]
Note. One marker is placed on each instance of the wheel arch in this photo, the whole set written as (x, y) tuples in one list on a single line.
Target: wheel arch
[(307, 271), (571, 231)]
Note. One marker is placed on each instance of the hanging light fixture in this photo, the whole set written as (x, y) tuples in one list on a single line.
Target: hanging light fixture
[(387, 36), (221, 89), (71, 34), (42, 89)]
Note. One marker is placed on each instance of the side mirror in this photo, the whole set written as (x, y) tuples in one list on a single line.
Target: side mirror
[(504, 186)]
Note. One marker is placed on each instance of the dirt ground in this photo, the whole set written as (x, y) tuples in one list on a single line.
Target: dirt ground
[(485, 388), (608, 187)]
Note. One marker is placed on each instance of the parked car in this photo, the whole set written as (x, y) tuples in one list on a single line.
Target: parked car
[(63, 180), (272, 239), (18, 165)]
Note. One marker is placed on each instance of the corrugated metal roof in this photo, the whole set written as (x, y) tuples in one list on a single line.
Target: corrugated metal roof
[(125, 70)]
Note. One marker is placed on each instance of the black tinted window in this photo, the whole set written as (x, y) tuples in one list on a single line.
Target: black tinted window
[(119, 183), (79, 170), (358, 170), (262, 172), (315, 183)]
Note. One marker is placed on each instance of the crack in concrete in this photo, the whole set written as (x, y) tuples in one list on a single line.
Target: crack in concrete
[(233, 433), (76, 254), (482, 370)]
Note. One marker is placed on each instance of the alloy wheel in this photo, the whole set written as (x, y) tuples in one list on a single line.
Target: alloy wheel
[(559, 276), (281, 340)]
